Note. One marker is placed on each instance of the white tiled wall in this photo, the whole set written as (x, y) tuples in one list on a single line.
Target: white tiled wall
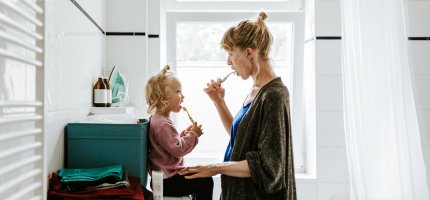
[(419, 17), (126, 15), (307, 190), (327, 54), (330, 130), (330, 191), (75, 56), (329, 92), (327, 18), (96, 9)]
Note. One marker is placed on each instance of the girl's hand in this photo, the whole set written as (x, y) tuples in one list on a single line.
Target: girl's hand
[(196, 129), (189, 128), (215, 91)]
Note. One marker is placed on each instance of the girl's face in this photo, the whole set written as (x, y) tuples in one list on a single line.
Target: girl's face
[(175, 97), (240, 61)]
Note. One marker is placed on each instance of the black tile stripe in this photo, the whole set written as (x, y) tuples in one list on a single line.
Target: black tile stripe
[(125, 33), (419, 38), (329, 37), (86, 14), (119, 33), (153, 36), (338, 38)]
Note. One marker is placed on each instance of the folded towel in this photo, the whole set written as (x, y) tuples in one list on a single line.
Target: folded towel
[(104, 183), (134, 192), (114, 172), (125, 183)]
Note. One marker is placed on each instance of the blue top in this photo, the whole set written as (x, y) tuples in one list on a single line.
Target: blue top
[(236, 121)]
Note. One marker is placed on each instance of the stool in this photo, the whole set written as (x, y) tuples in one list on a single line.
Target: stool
[(157, 188)]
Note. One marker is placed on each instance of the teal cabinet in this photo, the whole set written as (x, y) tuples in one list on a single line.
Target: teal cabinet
[(98, 145)]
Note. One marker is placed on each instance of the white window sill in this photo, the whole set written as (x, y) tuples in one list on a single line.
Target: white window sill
[(305, 178)]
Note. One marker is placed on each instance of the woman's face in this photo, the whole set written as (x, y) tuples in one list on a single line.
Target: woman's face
[(240, 61), (175, 97)]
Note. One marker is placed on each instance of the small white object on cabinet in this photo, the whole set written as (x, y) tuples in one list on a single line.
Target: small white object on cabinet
[(157, 188)]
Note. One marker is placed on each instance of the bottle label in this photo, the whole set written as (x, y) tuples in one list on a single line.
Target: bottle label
[(109, 96), (101, 96)]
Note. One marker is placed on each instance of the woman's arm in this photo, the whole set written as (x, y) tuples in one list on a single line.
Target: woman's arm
[(236, 169), (225, 115)]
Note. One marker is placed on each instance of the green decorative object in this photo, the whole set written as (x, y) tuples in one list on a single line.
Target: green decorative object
[(119, 86)]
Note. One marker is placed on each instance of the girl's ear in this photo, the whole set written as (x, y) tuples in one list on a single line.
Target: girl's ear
[(163, 97)]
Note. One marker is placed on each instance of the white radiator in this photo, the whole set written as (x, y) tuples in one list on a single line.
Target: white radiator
[(22, 171)]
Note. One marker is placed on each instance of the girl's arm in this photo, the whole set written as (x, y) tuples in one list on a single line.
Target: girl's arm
[(171, 141)]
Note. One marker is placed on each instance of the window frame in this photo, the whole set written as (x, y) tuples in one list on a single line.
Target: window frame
[(234, 5)]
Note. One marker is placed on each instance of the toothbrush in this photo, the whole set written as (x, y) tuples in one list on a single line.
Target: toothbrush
[(225, 78), (189, 116)]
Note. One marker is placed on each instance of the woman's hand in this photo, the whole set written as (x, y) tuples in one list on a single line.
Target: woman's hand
[(215, 91), (199, 171)]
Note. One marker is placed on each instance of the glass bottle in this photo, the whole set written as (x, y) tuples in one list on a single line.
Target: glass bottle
[(100, 93)]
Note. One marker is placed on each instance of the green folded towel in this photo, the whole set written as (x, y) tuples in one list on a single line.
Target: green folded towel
[(91, 174)]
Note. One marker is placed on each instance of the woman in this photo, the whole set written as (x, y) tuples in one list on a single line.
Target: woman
[(259, 158)]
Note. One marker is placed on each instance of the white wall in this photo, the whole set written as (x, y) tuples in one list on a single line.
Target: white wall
[(75, 56)]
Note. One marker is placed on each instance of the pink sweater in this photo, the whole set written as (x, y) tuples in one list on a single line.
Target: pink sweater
[(167, 147)]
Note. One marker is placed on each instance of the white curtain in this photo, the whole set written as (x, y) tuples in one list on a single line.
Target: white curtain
[(383, 143)]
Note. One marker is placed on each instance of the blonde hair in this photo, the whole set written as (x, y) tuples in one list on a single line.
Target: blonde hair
[(249, 34), (157, 90)]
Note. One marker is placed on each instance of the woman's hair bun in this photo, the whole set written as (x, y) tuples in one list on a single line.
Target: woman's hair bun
[(262, 16), (166, 67)]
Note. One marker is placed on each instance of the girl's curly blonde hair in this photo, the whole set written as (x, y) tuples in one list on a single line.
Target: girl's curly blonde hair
[(157, 90)]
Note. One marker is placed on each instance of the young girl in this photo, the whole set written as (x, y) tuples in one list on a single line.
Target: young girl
[(166, 146)]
